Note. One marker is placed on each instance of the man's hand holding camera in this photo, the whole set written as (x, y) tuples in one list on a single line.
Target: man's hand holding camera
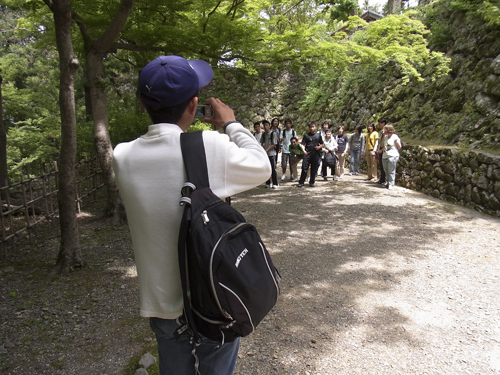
[(221, 113)]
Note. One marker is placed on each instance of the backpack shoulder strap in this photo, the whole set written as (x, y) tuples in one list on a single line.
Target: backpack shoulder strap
[(195, 160)]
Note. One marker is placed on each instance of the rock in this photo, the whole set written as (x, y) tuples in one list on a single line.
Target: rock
[(492, 202), (435, 193), (141, 371), (434, 157), (486, 104), (468, 193), (474, 164), (497, 189), (439, 172), (449, 168), (147, 360), (495, 65), (428, 166), (482, 182), (476, 197)]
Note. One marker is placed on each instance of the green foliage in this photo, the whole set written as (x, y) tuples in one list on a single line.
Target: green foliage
[(342, 9), (394, 45), (490, 12)]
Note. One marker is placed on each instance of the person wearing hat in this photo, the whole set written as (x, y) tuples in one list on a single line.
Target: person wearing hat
[(150, 174)]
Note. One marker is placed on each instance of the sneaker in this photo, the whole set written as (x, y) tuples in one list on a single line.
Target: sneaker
[(292, 177), (335, 178), (389, 187), (356, 173), (283, 177), (350, 173), (324, 178), (341, 176), (275, 186), (268, 186), (300, 185), (311, 185), (295, 179), (381, 182)]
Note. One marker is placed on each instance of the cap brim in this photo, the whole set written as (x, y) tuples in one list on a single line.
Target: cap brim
[(203, 70)]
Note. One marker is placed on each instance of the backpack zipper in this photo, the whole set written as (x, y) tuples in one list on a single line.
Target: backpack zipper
[(224, 312)]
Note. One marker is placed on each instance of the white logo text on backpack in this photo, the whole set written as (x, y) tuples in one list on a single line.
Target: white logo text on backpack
[(240, 257)]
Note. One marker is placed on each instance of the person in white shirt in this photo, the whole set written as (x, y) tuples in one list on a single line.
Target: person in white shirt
[(330, 145), (150, 174), (257, 131), (286, 135), (391, 144)]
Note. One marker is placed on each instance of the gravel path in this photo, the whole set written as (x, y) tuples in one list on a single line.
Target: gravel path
[(373, 282)]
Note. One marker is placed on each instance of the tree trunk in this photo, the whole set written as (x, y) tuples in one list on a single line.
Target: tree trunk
[(393, 6), (114, 205), (96, 50), (69, 257), (4, 171)]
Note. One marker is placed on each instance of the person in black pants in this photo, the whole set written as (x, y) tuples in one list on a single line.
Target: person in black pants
[(313, 143), (381, 123)]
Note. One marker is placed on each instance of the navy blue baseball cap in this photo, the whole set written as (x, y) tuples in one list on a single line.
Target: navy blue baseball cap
[(168, 81)]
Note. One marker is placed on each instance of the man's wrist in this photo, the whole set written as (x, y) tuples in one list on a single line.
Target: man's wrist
[(229, 123)]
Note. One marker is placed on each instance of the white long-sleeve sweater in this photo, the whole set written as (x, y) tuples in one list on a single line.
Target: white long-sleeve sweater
[(150, 174)]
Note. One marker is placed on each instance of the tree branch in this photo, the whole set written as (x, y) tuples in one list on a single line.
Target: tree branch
[(50, 4), (233, 8), (116, 25), (209, 14), (132, 47), (87, 40)]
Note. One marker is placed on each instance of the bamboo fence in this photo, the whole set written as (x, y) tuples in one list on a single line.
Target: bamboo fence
[(30, 204)]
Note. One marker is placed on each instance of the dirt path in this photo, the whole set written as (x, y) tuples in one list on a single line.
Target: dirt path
[(374, 282)]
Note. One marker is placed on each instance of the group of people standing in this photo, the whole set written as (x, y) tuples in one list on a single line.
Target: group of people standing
[(322, 148), (383, 148)]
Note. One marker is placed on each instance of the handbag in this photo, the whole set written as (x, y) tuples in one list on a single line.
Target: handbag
[(330, 159)]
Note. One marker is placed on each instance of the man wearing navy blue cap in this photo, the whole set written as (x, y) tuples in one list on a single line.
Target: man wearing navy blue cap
[(150, 174)]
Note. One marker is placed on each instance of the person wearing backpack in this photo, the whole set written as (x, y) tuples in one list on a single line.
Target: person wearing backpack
[(150, 175), (286, 135), (257, 131), (269, 141)]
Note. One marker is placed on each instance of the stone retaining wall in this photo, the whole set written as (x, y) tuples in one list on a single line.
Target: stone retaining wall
[(468, 178)]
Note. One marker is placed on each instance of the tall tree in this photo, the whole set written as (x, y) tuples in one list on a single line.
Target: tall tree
[(96, 50), (69, 257), (4, 172)]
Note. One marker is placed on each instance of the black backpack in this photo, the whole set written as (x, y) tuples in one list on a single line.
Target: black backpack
[(228, 279)]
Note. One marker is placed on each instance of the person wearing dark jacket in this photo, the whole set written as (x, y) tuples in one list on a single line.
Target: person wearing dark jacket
[(313, 143)]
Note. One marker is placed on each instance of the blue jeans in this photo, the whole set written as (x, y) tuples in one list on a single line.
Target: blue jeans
[(175, 354), (355, 161), (389, 165)]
